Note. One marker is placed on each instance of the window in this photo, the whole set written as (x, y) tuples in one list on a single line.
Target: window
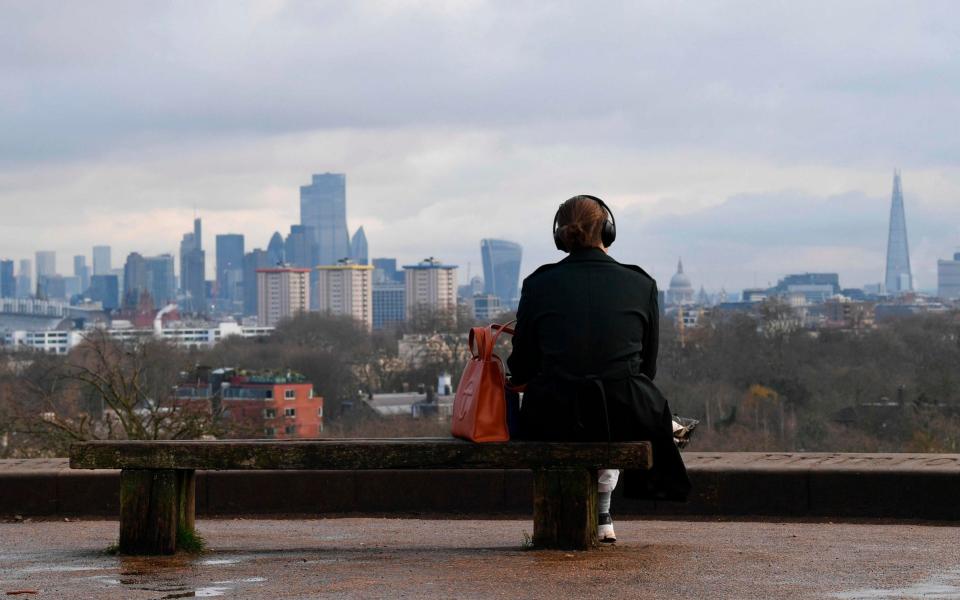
[(320, 412), (289, 412), (269, 431), (290, 394), (268, 394), (320, 428), (290, 429), (269, 413), (311, 393)]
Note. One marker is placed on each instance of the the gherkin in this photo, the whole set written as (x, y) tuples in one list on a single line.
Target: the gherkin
[(899, 278)]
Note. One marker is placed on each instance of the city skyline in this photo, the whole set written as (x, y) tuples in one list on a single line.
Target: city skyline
[(751, 159)]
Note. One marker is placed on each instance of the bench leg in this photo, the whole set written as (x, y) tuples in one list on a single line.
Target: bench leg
[(565, 508), (156, 506)]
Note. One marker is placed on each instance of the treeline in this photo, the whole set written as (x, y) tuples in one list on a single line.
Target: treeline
[(753, 383), (757, 386)]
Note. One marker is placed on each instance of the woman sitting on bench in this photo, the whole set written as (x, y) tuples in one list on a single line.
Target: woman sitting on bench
[(586, 348)]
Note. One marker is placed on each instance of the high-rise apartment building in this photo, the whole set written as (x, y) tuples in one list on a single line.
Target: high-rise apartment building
[(101, 260), (193, 270), (323, 207), (81, 270), (359, 250), (8, 282), (431, 285), (161, 282), (46, 263), (346, 289), (230, 266), (501, 269), (948, 278), (898, 276), (282, 292)]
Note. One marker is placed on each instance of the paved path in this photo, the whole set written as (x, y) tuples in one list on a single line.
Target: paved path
[(395, 558)]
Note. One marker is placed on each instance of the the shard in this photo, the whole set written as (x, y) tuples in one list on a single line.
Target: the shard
[(899, 278)]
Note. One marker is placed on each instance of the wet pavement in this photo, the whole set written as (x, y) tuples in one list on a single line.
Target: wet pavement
[(408, 558)]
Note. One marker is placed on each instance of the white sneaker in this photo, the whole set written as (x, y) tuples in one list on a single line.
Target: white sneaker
[(605, 531)]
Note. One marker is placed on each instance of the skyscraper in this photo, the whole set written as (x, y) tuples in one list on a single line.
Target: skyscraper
[(101, 260), (385, 270), (24, 279), (323, 206), (389, 303), (81, 270), (300, 248), (193, 269), (359, 252), (252, 261), (134, 279), (501, 269), (898, 278), (275, 250), (282, 292), (8, 283), (346, 289), (948, 278), (229, 266), (46, 263), (105, 289), (160, 279)]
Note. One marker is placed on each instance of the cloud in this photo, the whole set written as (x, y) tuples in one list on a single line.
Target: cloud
[(752, 141)]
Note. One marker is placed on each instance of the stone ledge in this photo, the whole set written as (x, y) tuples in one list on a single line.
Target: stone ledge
[(901, 486)]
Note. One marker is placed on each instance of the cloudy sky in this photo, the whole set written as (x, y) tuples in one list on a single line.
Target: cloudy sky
[(753, 139)]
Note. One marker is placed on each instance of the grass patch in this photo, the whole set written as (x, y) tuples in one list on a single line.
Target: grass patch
[(527, 542), (190, 542)]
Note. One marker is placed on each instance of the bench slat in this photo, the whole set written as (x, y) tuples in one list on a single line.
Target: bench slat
[(329, 454)]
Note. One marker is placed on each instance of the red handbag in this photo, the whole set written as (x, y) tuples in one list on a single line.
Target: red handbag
[(479, 407)]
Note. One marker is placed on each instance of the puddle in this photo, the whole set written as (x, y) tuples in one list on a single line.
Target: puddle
[(938, 587), (244, 580), (203, 592), (220, 561), (60, 569)]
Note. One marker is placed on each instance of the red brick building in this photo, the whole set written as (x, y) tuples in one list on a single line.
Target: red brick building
[(260, 405)]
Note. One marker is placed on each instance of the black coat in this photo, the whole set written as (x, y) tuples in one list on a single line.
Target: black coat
[(587, 328)]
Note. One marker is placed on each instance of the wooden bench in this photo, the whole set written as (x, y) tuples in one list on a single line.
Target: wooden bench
[(157, 484)]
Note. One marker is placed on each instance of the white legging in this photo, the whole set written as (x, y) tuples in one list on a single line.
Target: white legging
[(607, 479)]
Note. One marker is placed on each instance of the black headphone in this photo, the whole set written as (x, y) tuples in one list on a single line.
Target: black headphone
[(607, 234)]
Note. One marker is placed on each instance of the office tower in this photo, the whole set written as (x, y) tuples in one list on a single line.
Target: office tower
[(229, 266), (275, 250), (898, 278), (385, 270), (101, 260), (24, 279), (81, 270), (8, 283), (282, 292), (501, 269), (134, 279), (323, 206), (359, 252), (73, 286), (46, 263), (252, 261), (432, 286), (300, 248), (815, 287), (948, 278), (193, 270), (486, 307), (389, 303), (105, 289), (51, 287), (346, 289), (161, 284)]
